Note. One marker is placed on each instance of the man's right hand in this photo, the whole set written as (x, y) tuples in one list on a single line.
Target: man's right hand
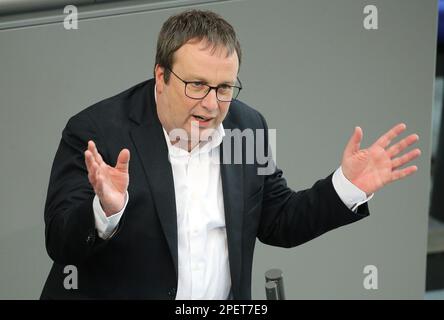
[(110, 183)]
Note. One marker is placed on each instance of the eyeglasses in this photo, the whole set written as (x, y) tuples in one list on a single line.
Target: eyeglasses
[(198, 90)]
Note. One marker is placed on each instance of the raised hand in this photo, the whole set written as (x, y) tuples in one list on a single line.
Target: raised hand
[(371, 169), (110, 183)]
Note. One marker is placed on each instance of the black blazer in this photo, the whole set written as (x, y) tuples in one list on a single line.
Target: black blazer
[(140, 260)]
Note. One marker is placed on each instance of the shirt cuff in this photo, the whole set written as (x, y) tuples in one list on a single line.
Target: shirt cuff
[(106, 226), (350, 194)]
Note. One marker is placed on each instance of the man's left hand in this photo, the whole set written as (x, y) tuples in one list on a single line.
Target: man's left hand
[(372, 168)]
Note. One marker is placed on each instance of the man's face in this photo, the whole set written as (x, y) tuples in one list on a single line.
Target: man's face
[(195, 61)]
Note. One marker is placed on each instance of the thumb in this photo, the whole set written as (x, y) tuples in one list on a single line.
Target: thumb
[(354, 143), (123, 160)]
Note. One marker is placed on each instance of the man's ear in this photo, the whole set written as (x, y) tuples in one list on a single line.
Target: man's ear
[(159, 72)]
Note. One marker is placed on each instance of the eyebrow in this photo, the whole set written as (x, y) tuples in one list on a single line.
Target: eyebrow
[(200, 79)]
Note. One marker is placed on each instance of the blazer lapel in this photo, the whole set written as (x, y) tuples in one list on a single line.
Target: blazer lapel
[(150, 144), (232, 186)]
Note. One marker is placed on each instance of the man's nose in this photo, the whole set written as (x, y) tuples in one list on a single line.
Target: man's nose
[(210, 101)]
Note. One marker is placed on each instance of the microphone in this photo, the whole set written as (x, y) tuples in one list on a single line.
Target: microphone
[(274, 285)]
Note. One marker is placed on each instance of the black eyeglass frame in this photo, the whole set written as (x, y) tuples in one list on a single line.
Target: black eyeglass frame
[(209, 88)]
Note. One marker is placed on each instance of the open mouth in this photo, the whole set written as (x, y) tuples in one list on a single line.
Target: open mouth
[(202, 118)]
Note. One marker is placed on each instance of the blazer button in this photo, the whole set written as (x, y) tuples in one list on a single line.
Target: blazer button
[(90, 239), (172, 293)]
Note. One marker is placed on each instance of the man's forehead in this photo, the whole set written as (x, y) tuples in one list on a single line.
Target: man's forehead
[(195, 49), (206, 45)]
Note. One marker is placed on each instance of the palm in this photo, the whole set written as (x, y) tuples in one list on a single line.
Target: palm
[(115, 182), (109, 183), (372, 168)]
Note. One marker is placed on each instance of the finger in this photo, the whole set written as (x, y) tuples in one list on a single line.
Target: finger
[(354, 143), (123, 160), (402, 173), (92, 147), (92, 175), (401, 145), (400, 161), (386, 138), (98, 181), (89, 160)]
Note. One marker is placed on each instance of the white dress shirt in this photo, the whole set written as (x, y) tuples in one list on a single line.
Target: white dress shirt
[(204, 272)]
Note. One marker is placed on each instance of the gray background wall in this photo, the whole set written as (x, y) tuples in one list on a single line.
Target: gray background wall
[(309, 66)]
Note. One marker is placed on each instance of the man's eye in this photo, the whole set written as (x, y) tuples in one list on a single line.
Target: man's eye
[(224, 88), (197, 84)]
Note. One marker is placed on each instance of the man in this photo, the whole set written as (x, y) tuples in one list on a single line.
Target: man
[(173, 223)]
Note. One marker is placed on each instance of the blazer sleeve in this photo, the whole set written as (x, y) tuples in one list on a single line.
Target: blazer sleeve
[(70, 233), (290, 218)]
